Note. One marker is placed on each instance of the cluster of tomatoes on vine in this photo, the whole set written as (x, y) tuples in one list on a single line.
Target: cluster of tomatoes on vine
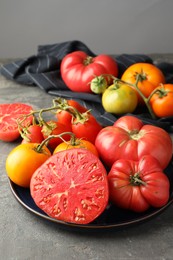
[(71, 121)]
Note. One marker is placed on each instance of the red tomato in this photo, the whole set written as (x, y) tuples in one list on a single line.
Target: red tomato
[(87, 129), (78, 69), (32, 134), (56, 128), (9, 113), (71, 186), (65, 117), (137, 185), (162, 101), (129, 139)]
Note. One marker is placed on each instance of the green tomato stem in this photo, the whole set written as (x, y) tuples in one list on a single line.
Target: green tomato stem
[(45, 141)]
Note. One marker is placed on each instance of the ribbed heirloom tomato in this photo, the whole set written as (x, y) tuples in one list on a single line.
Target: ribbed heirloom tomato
[(78, 69), (130, 139), (138, 185), (149, 77)]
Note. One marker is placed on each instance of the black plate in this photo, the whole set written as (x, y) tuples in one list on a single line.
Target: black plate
[(111, 218)]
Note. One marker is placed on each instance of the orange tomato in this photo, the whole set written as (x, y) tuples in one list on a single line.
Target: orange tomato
[(22, 162), (149, 77), (79, 143), (162, 101)]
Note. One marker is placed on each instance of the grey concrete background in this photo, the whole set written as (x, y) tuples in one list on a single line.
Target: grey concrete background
[(111, 26), (25, 236)]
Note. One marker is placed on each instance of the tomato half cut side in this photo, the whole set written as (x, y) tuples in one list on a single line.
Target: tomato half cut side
[(9, 113), (71, 186)]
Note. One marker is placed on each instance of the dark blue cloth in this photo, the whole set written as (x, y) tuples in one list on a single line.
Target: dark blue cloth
[(43, 70)]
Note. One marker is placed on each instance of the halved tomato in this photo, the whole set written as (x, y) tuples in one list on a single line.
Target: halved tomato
[(71, 186), (9, 113)]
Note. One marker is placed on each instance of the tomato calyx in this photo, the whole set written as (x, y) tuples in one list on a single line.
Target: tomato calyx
[(162, 92), (136, 134), (140, 76), (88, 60), (74, 141), (136, 180), (98, 84), (49, 127)]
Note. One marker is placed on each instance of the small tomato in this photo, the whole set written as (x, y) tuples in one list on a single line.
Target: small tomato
[(55, 128), (162, 101), (98, 85), (32, 134)]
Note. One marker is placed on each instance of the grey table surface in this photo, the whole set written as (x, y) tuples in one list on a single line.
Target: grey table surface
[(27, 236)]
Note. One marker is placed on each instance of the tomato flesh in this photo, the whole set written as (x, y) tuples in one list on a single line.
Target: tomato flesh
[(71, 186), (9, 113)]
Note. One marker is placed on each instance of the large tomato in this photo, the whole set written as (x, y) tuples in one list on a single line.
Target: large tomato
[(137, 185), (119, 99), (9, 113), (78, 69), (149, 77), (162, 101), (130, 139), (71, 186), (23, 160)]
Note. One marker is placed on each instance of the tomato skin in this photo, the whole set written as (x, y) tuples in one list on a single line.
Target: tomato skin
[(150, 78), (128, 138), (56, 128), (162, 104), (78, 69), (71, 186), (23, 160), (137, 185), (65, 117), (9, 113), (83, 144), (119, 99), (87, 130), (33, 135)]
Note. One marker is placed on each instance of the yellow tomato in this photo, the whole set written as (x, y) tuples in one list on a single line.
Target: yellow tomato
[(119, 98), (22, 162)]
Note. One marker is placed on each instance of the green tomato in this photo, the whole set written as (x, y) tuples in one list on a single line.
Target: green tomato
[(119, 99), (98, 85)]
